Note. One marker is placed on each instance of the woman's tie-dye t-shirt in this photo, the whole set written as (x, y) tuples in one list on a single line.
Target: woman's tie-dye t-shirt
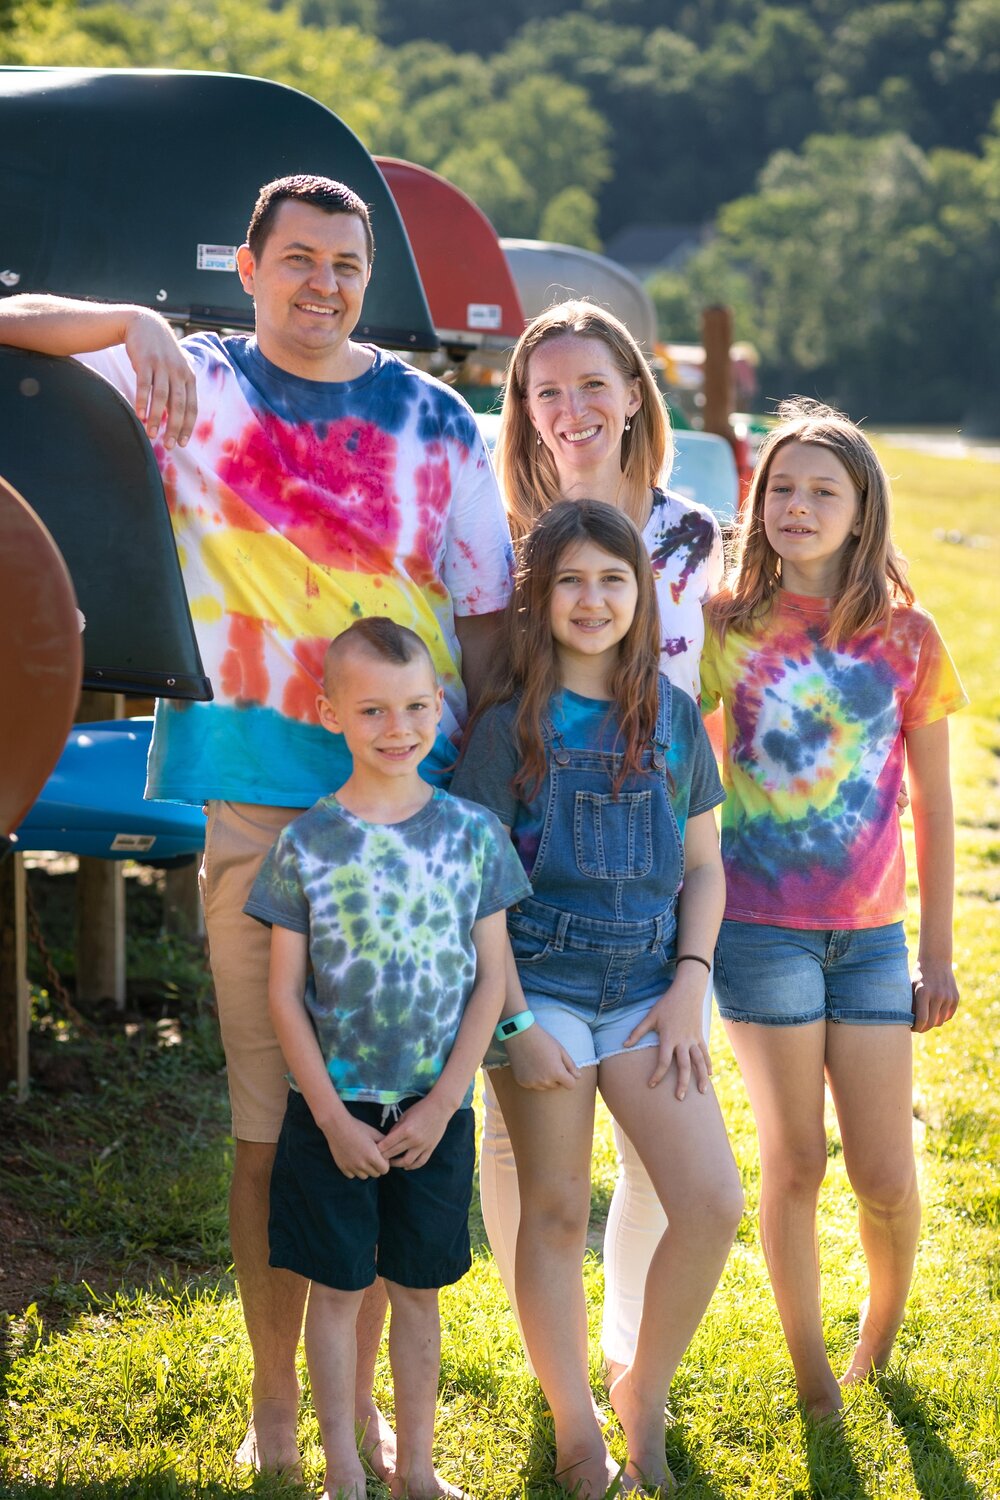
[(814, 757), (388, 909), (685, 548), (297, 507)]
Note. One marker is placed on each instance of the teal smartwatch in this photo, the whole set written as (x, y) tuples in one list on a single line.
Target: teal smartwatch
[(513, 1025)]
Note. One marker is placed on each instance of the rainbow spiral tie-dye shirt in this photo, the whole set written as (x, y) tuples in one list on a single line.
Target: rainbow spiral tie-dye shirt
[(299, 506), (814, 757)]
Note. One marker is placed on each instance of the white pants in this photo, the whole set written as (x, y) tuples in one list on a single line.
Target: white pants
[(636, 1222)]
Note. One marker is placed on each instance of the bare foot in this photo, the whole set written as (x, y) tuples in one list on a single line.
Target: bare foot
[(642, 1423), (269, 1442), (586, 1476), (425, 1487), (872, 1351), (376, 1441), (344, 1484), (824, 1406)]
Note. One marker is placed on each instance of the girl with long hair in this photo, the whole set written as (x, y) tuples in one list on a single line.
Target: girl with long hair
[(603, 773), (832, 680), (582, 416)]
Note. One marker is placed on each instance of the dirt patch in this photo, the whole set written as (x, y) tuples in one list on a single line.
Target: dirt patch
[(28, 1267), (48, 1147)]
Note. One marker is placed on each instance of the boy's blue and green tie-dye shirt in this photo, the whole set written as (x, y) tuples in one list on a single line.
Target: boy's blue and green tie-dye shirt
[(389, 910)]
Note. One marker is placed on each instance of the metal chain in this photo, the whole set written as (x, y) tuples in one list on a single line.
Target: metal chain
[(56, 987)]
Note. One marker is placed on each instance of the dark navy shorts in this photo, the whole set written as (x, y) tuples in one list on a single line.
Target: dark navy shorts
[(412, 1227), (789, 976)]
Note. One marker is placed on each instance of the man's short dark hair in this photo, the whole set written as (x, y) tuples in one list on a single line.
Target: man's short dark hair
[(321, 192)]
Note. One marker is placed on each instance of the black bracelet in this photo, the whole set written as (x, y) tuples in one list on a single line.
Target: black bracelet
[(695, 958)]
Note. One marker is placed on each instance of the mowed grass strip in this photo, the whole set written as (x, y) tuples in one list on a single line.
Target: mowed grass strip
[(144, 1393)]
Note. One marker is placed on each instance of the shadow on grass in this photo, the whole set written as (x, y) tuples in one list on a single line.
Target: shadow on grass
[(538, 1477), (833, 1474), (62, 1304), (158, 1485), (692, 1481), (937, 1473)]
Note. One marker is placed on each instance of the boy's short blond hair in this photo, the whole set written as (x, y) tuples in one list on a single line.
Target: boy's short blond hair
[(379, 637)]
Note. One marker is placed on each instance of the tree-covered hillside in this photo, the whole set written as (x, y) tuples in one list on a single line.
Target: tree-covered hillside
[(846, 154)]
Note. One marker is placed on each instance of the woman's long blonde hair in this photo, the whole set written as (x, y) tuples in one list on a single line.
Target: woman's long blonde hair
[(528, 669), (528, 477), (874, 574)]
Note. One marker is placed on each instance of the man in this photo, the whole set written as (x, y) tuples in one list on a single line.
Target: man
[(311, 480)]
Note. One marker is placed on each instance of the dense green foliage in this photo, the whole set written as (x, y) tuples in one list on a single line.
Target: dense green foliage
[(867, 260), (867, 271)]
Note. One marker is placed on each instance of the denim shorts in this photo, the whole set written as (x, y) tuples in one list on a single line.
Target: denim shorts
[(587, 981), (787, 976), (410, 1226), (588, 1041)]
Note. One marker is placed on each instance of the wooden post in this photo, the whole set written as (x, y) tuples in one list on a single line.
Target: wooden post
[(15, 1006), (100, 931), (717, 336), (182, 913), (100, 896)]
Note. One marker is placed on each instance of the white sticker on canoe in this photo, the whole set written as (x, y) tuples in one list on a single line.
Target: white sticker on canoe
[(483, 315), (216, 257), (133, 843)]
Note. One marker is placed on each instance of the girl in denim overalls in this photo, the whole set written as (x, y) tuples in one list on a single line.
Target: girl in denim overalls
[(605, 777)]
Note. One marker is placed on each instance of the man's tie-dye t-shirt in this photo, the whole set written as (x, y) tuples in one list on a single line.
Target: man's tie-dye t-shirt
[(389, 910), (814, 757), (297, 507)]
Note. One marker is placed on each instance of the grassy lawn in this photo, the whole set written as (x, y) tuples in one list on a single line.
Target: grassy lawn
[(127, 1372)]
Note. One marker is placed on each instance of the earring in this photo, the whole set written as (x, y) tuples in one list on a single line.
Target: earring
[(538, 439), (628, 424)]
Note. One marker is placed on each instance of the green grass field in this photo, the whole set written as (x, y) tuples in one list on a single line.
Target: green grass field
[(143, 1392)]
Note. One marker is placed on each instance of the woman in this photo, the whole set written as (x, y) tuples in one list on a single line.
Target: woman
[(583, 419)]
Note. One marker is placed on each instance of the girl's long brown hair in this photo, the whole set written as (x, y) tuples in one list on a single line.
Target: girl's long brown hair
[(874, 574), (528, 667), (529, 481)]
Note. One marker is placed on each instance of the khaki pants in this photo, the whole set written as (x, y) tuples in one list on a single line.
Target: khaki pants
[(238, 836)]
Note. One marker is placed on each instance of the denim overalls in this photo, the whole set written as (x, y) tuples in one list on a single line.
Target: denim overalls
[(600, 928)]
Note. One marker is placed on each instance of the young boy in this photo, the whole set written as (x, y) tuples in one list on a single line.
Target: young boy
[(388, 902)]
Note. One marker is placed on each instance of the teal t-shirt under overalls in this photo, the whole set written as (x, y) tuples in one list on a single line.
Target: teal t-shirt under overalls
[(605, 868)]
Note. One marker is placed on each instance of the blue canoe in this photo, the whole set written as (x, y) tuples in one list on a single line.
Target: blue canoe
[(93, 803)]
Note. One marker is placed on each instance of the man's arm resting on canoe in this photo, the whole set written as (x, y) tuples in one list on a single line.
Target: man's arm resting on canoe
[(164, 381)]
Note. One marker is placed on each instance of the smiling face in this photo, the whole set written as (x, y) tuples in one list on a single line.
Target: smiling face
[(811, 514), (388, 712), (308, 285), (591, 608), (578, 401)]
